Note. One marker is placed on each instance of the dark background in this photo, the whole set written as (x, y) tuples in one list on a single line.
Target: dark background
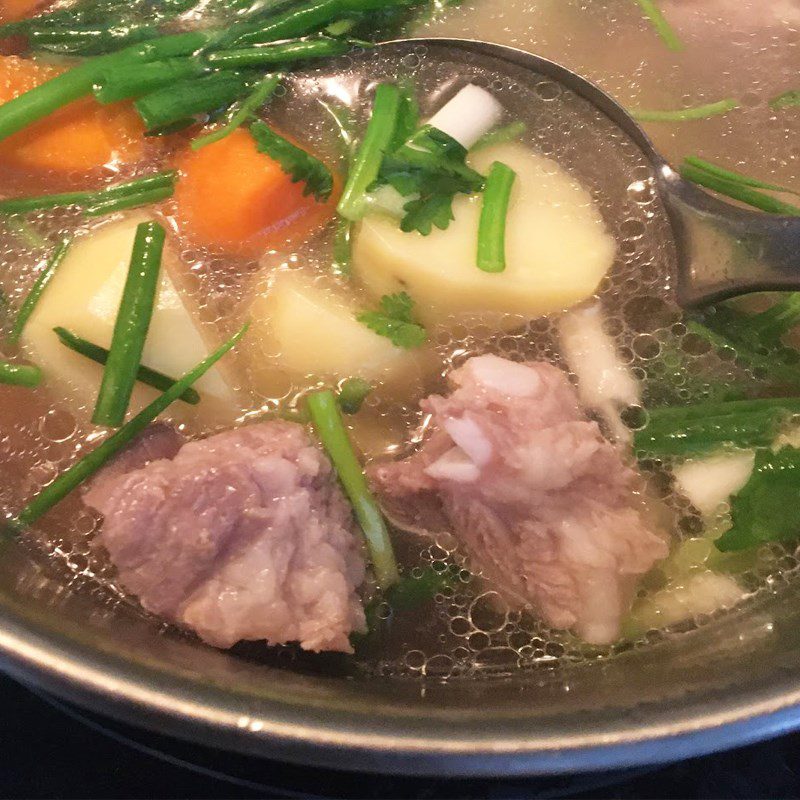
[(49, 750)]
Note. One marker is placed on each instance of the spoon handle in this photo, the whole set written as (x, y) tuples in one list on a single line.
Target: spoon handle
[(725, 250)]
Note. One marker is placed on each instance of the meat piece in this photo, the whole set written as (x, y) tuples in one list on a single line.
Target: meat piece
[(544, 504), (244, 535)]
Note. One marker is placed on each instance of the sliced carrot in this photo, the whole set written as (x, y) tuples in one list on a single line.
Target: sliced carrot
[(77, 138), (13, 10), (233, 197)]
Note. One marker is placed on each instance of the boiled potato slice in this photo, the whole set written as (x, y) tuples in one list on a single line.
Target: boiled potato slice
[(84, 295), (557, 248), (301, 329)]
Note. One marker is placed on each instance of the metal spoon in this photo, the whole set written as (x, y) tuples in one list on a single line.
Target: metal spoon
[(722, 250)]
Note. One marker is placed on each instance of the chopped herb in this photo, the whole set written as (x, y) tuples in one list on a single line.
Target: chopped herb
[(506, 133), (352, 394), (735, 177), (395, 321), (685, 114), (20, 374), (786, 100), (662, 27), (767, 508), (328, 423), (494, 212), (268, 55), (85, 467), (40, 284), (294, 161), (342, 247), (124, 81)]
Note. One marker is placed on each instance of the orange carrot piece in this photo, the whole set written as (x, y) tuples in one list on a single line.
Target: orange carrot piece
[(230, 196), (13, 10), (77, 138)]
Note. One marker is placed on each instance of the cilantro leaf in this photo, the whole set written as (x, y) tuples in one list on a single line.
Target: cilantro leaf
[(395, 321), (425, 212), (352, 394), (294, 161), (767, 509)]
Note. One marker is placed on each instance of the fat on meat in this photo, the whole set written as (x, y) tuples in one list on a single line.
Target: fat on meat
[(244, 535), (545, 506)]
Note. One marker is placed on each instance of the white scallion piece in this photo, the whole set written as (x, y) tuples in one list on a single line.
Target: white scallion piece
[(468, 116)]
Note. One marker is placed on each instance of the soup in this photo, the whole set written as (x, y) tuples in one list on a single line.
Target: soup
[(575, 507)]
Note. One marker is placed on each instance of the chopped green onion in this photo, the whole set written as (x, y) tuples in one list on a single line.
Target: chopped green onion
[(27, 232), (280, 52), (131, 326), (192, 96), (352, 394), (20, 374), (328, 423), (685, 114), (342, 247), (494, 212), (772, 324), (40, 284), (247, 108), (151, 377), (92, 199), (738, 191), (90, 463), (786, 100), (109, 205), (368, 158), (662, 27), (123, 81), (735, 177), (506, 133)]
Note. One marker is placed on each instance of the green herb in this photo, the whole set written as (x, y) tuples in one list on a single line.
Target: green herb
[(131, 193), (735, 177), (275, 53), (90, 463), (299, 165), (506, 133), (123, 81), (352, 394), (342, 247), (151, 377), (685, 114), (738, 191), (786, 100), (368, 158), (20, 374), (39, 285), (328, 423), (494, 212), (131, 326), (767, 508), (246, 109), (395, 321), (662, 27), (27, 232)]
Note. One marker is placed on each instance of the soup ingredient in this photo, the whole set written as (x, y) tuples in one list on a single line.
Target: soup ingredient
[(605, 383), (299, 165), (131, 326), (328, 423), (767, 508), (468, 116), (506, 133), (34, 295), (352, 394), (659, 22), (141, 191), (144, 374), (274, 53), (705, 427), (243, 535), (492, 224), (18, 9), (118, 81), (395, 321), (233, 197), (20, 374), (305, 329), (734, 177), (241, 112), (786, 100), (557, 249), (88, 465), (543, 503), (738, 190), (708, 482), (686, 114), (84, 296), (77, 138)]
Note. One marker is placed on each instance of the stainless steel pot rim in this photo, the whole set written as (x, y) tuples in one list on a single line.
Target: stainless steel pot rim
[(76, 677)]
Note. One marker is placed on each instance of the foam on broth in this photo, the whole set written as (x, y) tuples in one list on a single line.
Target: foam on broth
[(463, 632)]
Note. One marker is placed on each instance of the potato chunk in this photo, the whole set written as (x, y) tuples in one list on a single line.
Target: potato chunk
[(301, 329), (557, 248), (83, 296)]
